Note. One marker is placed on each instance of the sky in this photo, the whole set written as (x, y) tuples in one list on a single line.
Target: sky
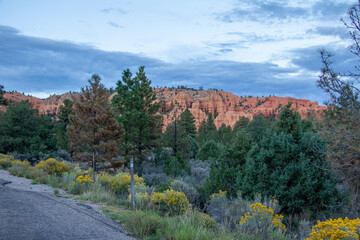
[(247, 47)]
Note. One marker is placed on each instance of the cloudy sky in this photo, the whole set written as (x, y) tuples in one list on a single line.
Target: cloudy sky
[(248, 47)]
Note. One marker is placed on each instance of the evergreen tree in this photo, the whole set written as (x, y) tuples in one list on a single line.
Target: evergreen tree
[(22, 130), (224, 134), (227, 169), (187, 122), (207, 130), (240, 146), (176, 138), (63, 121), (93, 131), (257, 127), (208, 151), (241, 124), (136, 107), (3, 101), (289, 164)]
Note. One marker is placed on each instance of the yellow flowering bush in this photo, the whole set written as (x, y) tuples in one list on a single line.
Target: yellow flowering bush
[(52, 166), (121, 182), (5, 161), (218, 195), (82, 183), (261, 220), (105, 180), (336, 229), (172, 202), (84, 179)]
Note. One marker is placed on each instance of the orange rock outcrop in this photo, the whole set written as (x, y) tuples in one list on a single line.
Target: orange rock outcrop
[(225, 106)]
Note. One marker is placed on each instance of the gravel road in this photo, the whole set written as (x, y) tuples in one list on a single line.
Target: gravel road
[(34, 212)]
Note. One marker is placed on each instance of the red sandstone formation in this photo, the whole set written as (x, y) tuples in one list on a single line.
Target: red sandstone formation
[(227, 107), (49, 105)]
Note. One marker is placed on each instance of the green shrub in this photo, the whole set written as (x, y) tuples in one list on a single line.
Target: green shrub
[(19, 168), (226, 212), (33, 173), (176, 165), (98, 194), (155, 177), (53, 180), (162, 187), (200, 171), (190, 192), (142, 224), (67, 179), (201, 220), (105, 180)]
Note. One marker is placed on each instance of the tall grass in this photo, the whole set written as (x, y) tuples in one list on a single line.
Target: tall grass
[(99, 194), (150, 225)]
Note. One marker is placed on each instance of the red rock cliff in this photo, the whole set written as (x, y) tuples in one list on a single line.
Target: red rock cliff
[(227, 107)]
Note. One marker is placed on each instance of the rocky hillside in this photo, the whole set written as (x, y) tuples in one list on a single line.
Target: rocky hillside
[(227, 107)]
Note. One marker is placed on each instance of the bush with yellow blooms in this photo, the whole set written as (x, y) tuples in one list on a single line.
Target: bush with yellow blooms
[(170, 201), (52, 166), (336, 229), (261, 221), (121, 182)]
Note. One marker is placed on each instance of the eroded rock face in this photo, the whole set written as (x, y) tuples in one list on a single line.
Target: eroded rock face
[(50, 105), (227, 107)]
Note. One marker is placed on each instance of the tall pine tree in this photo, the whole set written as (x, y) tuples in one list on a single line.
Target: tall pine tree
[(137, 110), (207, 131), (242, 123), (63, 121), (93, 132), (187, 122), (224, 134)]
